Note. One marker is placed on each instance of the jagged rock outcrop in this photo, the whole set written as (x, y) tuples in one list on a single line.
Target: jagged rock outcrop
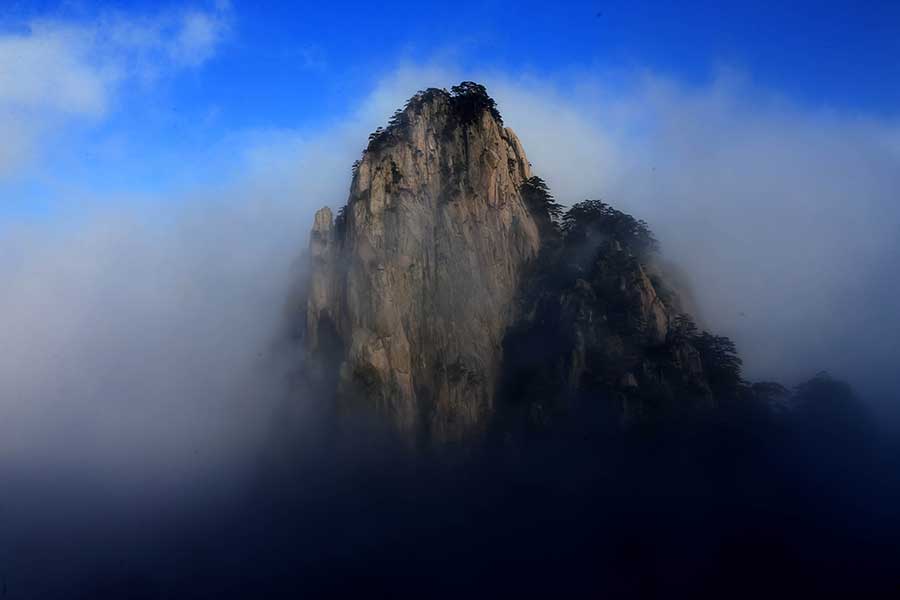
[(599, 326), (452, 285), (414, 282)]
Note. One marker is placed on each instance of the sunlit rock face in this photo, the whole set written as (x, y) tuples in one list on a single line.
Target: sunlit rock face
[(451, 289), (414, 282)]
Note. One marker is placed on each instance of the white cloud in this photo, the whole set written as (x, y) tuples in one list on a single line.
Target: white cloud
[(138, 341), (51, 69), (58, 72), (196, 39), (186, 38)]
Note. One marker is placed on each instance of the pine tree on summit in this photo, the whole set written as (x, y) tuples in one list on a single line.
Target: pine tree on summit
[(470, 99)]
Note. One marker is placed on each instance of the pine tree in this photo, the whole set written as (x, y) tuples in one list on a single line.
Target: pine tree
[(543, 206), (596, 218)]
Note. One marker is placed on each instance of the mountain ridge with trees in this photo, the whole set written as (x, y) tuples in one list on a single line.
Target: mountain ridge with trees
[(453, 295)]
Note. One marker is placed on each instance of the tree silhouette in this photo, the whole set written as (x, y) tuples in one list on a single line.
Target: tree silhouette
[(827, 403), (682, 329), (470, 99), (595, 218), (720, 361), (542, 205)]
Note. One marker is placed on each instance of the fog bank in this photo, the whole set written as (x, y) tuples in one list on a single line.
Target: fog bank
[(139, 334)]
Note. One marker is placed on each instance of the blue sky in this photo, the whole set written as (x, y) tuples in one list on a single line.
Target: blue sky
[(310, 57), (286, 65)]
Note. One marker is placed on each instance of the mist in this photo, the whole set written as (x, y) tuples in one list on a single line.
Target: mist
[(782, 216), (145, 361)]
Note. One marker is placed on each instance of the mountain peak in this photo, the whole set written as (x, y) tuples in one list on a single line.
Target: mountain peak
[(416, 287), (452, 286), (463, 105)]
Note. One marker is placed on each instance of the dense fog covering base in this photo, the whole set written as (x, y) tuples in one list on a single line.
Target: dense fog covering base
[(736, 504)]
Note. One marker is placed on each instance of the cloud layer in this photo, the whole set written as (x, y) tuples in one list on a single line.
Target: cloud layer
[(137, 340), (56, 72), (139, 347)]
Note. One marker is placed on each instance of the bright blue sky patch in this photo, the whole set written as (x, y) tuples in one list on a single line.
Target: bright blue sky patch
[(124, 96), (120, 96)]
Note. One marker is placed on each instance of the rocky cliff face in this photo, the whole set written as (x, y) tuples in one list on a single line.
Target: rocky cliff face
[(413, 284), (452, 284)]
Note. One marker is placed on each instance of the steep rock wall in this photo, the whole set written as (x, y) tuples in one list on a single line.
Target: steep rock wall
[(417, 276)]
